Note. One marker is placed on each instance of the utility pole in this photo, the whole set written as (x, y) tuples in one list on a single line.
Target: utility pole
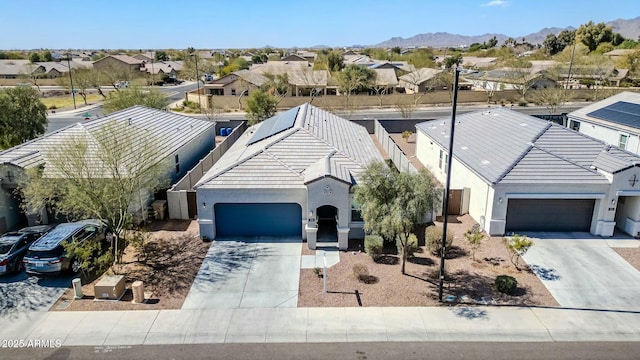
[(73, 94), (443, 250)]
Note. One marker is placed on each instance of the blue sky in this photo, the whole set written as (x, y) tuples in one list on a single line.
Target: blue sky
[(149, 24)]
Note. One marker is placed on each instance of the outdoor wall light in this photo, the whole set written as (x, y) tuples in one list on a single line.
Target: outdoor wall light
[(499, 200), (204, 205), (613, 201)]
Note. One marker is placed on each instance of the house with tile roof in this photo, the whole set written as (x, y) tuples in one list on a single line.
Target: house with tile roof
[(183, 142), (235, 84), (119, 63), (614, 120), (520, 173), (291, 176)]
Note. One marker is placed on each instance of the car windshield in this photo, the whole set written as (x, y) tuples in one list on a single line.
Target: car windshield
[(5, 247)]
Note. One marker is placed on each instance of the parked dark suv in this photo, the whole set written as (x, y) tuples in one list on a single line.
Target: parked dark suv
[(47, 255), (13, 246)]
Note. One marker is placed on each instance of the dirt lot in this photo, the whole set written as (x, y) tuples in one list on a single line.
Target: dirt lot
[(174, 255), (469, 280)]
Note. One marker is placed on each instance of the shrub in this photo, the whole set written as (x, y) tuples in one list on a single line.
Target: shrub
[(317, 271), (475, 238), (517, 245), (373, 246), (360, 269), (406, 134), (433, 239), (52, 107), (506, 284)]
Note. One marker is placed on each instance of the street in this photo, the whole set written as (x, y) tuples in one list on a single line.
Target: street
[(336, 351)]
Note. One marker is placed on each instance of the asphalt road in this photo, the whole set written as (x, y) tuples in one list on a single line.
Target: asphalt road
[(337, 351), (59, 121)]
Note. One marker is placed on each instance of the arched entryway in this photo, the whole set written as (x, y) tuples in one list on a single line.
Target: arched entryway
[(327, 223)]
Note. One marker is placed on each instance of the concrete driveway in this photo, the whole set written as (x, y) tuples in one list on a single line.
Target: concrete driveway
[(20, 293), (254, 273), (583, 271)]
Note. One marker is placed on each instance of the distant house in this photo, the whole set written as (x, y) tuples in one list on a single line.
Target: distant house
[(293, 57), (510, 79), (310, 56), (418, 81), (119, 63), (617, 54), (146, 57), (614, 120), (235, 84), (160, 68), (13, 69), (185, 140), (386, 81)]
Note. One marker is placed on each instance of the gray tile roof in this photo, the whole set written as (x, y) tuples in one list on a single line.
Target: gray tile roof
[(504, 146), (420, 75), (319, 144), (172, 131)]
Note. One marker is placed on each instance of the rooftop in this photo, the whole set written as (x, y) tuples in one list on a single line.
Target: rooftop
[(504, 146), (316, 145)]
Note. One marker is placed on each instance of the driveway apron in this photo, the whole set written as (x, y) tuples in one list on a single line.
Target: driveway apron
[(248, 273), (583, 271)]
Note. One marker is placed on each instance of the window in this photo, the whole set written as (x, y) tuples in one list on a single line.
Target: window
[(177, 160), (622, 142), (443, 163), (233, 92), (356, 215), (574, 125)]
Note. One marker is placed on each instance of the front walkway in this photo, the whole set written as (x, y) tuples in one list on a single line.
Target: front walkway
[(583, 271)]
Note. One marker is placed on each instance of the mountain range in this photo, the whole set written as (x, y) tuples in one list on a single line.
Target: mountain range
[(630, 29)]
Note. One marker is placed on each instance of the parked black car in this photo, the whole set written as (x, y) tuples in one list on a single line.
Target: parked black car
[(14, 245)]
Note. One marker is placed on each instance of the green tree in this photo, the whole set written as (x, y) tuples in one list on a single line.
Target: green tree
[(118, 100), (161, 55), (551, 44), (46, 56), (34, 57), (591, 35), (396, 50), (335, 61), (260, 106), (74, 184), (83, 80), (566, 38), (475, 239), (22, 116), (392, 203), (517, 245), (278, 85), (355, 78), (453, 60)]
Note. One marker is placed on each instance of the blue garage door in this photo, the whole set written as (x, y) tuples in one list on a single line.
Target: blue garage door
[(278, 220)]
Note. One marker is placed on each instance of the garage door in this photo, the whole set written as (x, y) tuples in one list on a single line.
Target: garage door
[(549, 214), (279, 220)]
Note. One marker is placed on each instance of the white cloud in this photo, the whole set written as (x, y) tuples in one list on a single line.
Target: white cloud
[(497, 3)]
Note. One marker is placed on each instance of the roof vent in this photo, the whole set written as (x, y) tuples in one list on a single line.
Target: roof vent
[(524, 124), (464, 148)]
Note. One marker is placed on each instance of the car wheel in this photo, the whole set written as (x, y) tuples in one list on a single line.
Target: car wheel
[(75, 266), (19, 266)]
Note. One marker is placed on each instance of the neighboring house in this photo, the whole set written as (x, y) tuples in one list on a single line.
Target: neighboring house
[(146, 57), (185, 140), (510, 79), (235, 84), (520, 173), (55, 69), (589, 75), (294, 57), (386, 80), (281, 67), (310, 56), (308, 81), (291, 176), (418, 81), (618, 54), (477, 62), (119, 62), (614, 120), (159, 68), (13, 69)]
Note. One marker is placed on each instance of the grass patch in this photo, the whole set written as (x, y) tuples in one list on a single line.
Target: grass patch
[(66, 101)]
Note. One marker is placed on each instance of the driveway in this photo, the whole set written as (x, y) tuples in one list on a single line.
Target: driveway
[(583, 271), (20, 293), (253, 273)]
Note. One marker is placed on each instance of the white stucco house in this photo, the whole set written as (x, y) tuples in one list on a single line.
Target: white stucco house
[(521, 173), (291, 176), (183, 141), (614, 120)]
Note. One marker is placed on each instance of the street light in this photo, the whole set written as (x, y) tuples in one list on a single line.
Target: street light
[(73, 94), (443, 250), (195, 56)]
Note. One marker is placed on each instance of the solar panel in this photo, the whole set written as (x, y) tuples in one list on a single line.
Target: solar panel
[(621, 112), (274, 125)]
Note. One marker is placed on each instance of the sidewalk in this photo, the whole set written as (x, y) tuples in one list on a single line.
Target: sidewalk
[(278, 325)]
